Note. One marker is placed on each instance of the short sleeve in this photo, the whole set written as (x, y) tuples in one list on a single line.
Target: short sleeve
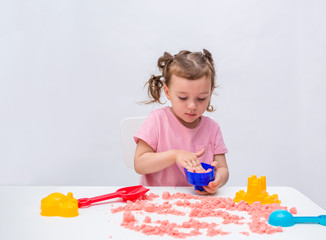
[(148, 132), (219, 145)]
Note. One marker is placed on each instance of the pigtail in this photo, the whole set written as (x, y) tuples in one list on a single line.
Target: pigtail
[(164, 62), (155, 85), (208, 55)]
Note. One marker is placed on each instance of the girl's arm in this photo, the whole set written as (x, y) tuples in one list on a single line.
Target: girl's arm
[(148, 161), (222, 168), (221, 175)]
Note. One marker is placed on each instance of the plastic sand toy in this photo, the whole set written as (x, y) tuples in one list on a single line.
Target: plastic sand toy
[(57, 204), (256, 191), (284, 218), (127, 193), (201, 179)]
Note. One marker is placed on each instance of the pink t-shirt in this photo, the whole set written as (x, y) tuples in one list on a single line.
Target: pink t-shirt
[(163, 131)]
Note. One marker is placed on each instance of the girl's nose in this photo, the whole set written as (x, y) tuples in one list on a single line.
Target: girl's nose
[(192, 105)]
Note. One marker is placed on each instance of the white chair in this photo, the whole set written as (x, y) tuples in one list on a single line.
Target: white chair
[(128, 128)]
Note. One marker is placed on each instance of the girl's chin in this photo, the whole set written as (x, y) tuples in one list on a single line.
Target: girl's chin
[(190, 122), (187, 120)]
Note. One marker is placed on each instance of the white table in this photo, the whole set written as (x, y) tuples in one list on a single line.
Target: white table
[(20, 215)]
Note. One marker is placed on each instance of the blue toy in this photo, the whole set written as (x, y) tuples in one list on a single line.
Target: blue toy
[(200, 179), (284, 218)]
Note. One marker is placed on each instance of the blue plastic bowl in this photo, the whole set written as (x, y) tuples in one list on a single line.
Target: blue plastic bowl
[(200, 179)]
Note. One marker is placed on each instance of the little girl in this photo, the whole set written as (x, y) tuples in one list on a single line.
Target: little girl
[(178, 137)]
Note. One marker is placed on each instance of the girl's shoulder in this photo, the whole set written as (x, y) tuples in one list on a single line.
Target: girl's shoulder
[(165, 117), (161, 112), (158, 115), (210, 123)]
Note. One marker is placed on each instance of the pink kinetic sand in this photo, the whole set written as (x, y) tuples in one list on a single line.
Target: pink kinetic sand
[(197, 207), (201, 170), (293, 210)]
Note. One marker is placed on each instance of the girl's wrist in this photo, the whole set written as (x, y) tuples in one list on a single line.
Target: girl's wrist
[(174, 156)]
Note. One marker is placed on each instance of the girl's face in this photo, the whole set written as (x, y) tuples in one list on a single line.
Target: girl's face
[(189, 98)]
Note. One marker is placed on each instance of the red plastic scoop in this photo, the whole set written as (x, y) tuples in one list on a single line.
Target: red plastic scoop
[(126, 193)]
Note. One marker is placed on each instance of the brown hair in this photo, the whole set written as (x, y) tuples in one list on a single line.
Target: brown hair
[(185, 64)]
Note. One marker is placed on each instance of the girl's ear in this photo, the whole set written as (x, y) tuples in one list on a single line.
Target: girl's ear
[(166, 91)]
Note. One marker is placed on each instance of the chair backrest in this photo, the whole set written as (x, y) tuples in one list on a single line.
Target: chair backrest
[(128, 128)]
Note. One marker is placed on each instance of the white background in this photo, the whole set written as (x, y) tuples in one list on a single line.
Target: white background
[(70, 71)]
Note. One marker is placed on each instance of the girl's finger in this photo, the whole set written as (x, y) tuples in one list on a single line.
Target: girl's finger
[(214, 164), (214, 183), (209, 189), (194, 162), (200, 153), (201, 192), (200, 169)]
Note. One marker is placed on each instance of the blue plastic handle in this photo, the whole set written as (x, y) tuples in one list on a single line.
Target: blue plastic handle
[(284, 218), (306, 219)]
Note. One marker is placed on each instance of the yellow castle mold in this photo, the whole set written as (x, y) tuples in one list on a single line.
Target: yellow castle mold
[(57, 204), (256, 192)]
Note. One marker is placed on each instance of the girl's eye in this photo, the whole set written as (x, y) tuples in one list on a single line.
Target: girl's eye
[(182, 98), (201, 99)]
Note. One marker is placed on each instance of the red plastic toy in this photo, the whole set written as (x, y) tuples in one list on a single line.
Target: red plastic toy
[(126, 193)]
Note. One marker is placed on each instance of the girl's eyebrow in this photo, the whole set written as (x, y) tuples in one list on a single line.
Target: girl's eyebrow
[(206, 92)]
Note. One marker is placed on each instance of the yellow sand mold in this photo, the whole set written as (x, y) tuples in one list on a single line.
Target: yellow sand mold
[(256, 191), (57, 204)]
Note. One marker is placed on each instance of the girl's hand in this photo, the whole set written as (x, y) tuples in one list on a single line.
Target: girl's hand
[(212, 187), (189, 160)]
